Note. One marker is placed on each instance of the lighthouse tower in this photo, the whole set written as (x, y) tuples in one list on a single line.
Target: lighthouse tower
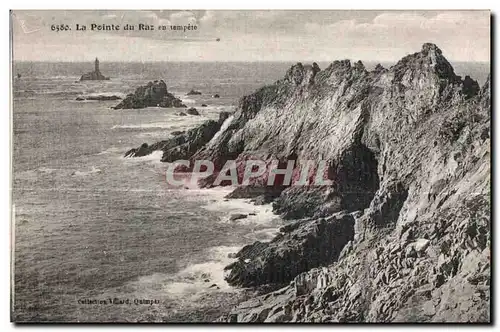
[(96, 65)]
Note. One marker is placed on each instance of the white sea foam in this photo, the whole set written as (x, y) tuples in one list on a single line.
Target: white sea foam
[(191, 282), (172, 122), (263, 222), (110, 150), (188, 101), (201, 277), (223, 128), (154, 157), (107, 94), (47, 170), (94, 170), (162, 125)]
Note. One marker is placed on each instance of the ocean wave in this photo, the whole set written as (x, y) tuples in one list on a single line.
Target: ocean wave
[(109, 150), (173, 122), (154, 157), (204, 277), (162, 125), (188, 101), (94, 170), (259, 216), (58, 92), (193, 281), (47, 170), (104, 94), (35, 173)]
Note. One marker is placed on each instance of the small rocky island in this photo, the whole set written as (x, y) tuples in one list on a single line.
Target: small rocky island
[(193, 93), (98, 97), (94, 75), (150, 95)]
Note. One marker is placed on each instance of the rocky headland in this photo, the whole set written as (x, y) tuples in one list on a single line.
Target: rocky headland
[(403, 233), (153, 94), (182, 144)]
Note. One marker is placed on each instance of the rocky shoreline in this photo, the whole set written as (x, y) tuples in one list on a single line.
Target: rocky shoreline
[(403, 233)]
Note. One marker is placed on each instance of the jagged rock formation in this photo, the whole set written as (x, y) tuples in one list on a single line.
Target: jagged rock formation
[(193, 93), (183, 144), (403, 234), (301, 246), (192, 111), (421, 244), (151, 95)]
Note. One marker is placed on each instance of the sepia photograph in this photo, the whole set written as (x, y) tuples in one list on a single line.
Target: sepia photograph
[(250, 166)]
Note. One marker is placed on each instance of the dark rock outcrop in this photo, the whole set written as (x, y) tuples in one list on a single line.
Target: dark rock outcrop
[(94, 76), (193, 93), (237, 216), (154, 94), (99, 97), (184, 144), (300, 247), (192, 111)]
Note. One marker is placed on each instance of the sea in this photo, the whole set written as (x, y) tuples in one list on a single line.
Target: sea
[(97, 237)]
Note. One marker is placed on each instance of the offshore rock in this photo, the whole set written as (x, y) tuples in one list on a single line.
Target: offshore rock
[(193, 93), (98, 97), (192, 111), (154, 94), (93, 76)]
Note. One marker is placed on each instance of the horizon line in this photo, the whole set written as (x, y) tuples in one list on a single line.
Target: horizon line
[(236, 61)]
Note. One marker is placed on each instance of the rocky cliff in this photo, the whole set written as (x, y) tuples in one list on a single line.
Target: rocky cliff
[(403, 233), (150, 95), (183, 144)]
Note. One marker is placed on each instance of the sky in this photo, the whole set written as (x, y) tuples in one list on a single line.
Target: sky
[(268, 35)]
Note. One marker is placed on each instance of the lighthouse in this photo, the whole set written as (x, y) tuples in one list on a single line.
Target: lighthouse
[(94, 75)]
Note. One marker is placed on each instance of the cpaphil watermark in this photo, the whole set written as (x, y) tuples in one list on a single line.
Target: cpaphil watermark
[(252, 171)]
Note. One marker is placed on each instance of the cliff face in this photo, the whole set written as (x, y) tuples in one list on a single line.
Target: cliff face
[(403, 234), (411, 149)]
